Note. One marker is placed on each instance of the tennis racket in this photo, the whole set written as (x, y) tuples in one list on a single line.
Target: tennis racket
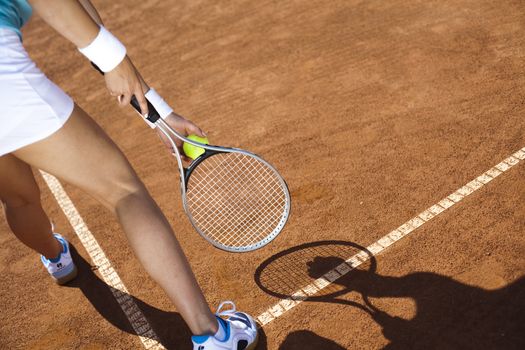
[(234, 199)]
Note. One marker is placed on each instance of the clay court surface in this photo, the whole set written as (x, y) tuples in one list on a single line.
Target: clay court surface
[(373, 111)]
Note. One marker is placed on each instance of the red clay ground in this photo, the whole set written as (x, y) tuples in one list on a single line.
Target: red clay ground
[(372, 110)]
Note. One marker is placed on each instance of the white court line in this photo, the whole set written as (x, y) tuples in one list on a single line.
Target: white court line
[(351, 263), (136, 318)]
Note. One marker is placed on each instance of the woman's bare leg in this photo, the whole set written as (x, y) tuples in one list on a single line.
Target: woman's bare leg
[(21, 198), (81, 154)]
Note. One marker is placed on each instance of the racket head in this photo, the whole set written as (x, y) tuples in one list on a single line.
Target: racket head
[(234, 199)]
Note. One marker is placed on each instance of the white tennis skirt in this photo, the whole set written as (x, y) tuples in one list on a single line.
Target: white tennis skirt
[(32, 107)]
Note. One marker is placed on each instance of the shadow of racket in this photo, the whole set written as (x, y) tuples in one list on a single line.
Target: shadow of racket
[(311, 272)]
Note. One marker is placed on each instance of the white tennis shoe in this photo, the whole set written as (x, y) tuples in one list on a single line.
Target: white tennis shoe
[(62, 268), (240, 331)]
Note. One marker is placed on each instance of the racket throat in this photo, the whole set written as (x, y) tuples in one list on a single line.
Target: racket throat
[(187, 171)]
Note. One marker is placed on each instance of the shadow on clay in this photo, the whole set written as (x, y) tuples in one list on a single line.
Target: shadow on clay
[(448, 314), (169, 326)]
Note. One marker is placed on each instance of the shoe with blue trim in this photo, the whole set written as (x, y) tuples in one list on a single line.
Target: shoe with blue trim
[(239, 328), (62, 268)]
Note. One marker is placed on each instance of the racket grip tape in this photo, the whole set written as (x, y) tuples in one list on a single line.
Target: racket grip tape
[(152, 116)]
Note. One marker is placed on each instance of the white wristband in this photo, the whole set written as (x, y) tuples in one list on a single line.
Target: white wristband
[(106, 51), (162, 107), (158, 102)]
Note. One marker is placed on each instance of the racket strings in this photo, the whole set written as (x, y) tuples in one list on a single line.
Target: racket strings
[(236, 199), (230, 210)]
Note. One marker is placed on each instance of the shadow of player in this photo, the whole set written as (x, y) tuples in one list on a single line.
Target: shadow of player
[(449, 314), (307, 340), (169, 326)]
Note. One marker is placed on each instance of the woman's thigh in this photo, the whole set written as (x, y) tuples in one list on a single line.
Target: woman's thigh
[(81, 154)]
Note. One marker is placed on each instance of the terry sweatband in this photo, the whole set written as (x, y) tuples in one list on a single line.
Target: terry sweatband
[(162, 107), (106, 51)]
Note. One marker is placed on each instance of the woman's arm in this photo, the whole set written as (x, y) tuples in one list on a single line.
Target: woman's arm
[(79, 22), (92, 11), (68, 18), (72, 21)]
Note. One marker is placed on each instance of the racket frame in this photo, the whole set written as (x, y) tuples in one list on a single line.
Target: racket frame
[(210, 150), (185, 174)]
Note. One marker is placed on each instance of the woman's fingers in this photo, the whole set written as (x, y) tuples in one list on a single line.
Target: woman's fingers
[(124, 99), (125, 82), (139, 95), (192, 129), (197, 131)]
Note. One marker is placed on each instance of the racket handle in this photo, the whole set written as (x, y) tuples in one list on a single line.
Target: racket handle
[(152, 116)]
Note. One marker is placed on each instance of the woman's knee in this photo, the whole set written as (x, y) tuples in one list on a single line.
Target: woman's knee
[(119, 185)]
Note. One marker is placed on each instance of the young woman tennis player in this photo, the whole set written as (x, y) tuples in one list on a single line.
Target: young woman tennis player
[(41, 126)]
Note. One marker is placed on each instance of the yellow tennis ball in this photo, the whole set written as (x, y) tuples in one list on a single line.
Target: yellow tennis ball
[(193, 151)]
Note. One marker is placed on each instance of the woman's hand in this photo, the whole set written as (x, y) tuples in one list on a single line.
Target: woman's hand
[(183, 127), (124, 81)]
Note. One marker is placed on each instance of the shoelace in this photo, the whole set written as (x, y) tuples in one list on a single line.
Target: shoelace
[(226, 313)]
